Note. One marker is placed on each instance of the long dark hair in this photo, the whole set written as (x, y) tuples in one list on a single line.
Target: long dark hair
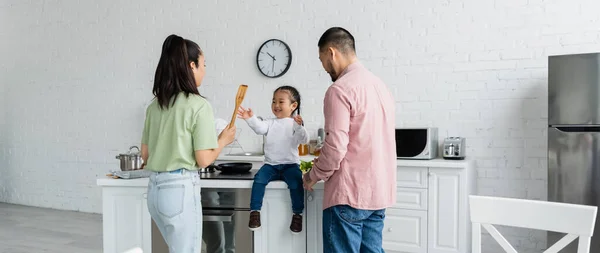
[(295, 96), (173, 73)]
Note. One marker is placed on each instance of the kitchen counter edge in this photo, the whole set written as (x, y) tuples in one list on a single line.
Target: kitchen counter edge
[(436, 163), (222, 183)]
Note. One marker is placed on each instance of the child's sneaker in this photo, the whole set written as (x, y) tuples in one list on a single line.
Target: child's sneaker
[(296, 226), (254, 223)]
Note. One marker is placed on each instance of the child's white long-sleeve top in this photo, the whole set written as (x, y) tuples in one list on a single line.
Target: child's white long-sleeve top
[(282, 138)]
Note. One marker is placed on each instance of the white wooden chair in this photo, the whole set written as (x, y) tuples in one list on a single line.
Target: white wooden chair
[(574, 220), (134, 250)]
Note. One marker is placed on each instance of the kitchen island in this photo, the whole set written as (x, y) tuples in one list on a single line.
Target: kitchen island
[(430, 215)]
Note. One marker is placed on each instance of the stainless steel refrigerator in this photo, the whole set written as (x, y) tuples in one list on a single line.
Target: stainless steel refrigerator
[(574, 135)]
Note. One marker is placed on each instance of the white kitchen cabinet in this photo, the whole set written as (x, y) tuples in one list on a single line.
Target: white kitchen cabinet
[(405, 231), (431, 210), (411, 177), (448, 219), (275, 235), (430, 214), (314, 221), (126, 222), (410, 198), (405, 225)]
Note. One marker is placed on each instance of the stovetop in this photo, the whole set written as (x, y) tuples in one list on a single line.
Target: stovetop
[(228, 176)]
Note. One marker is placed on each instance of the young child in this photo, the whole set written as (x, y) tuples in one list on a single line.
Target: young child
[(282, 162)]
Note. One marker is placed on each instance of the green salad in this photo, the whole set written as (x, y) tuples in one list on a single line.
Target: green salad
[(305, 166)]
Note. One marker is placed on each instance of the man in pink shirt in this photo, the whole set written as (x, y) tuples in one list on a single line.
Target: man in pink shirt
[(358, 159)]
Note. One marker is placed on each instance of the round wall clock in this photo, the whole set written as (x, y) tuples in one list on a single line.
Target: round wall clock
[(274, 58)]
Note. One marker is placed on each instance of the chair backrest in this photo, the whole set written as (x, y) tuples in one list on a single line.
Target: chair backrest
[(574, 220), (134, 250)]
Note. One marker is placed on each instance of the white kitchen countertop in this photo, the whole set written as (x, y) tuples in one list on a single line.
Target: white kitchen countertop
[(223, 183), (206, 183), (436, 163)]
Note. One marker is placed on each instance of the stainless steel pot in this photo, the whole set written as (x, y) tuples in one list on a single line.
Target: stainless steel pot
[(131, 160)]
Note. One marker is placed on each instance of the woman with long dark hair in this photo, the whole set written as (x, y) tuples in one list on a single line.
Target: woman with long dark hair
[(179, 138)]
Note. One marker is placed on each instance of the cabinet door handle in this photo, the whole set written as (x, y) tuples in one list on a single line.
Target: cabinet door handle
[(390, 229), (145, 195), (310, 198)]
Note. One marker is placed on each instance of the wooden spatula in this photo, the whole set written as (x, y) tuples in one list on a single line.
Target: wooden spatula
[(241, 93)]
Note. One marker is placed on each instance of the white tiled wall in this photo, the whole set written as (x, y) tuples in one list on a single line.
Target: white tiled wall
[(75, 77)]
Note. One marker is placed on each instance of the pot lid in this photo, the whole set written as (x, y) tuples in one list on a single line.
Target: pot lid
[(131, 152)]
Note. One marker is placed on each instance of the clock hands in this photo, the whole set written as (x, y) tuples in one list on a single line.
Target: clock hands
[(272, 65), (277, 47)]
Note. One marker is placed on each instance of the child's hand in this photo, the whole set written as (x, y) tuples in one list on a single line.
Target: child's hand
[(298, 119), (244, 113)]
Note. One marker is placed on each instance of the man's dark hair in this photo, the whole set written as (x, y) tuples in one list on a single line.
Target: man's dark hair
[(338, 38)]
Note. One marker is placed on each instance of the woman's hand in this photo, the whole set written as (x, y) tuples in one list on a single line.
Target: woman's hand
[(206, 157), (244, 113), (145, 155), (227, 136)]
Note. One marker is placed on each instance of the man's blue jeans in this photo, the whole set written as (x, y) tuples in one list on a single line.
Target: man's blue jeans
[(290, 173), (350, 230)]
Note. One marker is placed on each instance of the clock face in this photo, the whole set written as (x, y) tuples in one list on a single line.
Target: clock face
[(274, 58)]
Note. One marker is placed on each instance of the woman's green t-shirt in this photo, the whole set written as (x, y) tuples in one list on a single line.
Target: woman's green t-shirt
[(173, 134)]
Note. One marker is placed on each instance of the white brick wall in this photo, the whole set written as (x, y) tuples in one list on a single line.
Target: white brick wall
[(76, 76)]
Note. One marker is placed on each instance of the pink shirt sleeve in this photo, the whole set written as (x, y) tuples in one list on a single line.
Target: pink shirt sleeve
[(337, 111)]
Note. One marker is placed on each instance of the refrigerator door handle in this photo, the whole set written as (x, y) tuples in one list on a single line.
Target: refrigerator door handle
[(578, 129)]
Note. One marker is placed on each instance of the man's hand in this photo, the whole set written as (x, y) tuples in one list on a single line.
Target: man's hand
[(298, 119), (308, 183), (244, 113)]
